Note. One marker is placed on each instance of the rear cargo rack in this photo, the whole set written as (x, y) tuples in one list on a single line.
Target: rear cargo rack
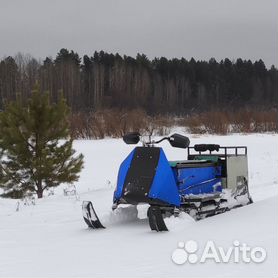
[(222, 151)]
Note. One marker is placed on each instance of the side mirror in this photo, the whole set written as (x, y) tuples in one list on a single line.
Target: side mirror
[(131, 138), (179, 141)]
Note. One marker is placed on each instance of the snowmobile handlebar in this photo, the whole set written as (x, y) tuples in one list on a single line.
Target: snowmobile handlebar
[(176, 140)]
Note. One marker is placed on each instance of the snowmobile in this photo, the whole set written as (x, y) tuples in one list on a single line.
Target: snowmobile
[(212, 180)]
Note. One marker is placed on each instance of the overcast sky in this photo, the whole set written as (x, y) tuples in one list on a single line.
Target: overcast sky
[(175, 28)]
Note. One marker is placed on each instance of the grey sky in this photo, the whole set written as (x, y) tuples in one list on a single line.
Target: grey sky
[(175, 28)]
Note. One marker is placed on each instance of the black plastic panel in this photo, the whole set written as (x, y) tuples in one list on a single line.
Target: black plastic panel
[(140, 175)]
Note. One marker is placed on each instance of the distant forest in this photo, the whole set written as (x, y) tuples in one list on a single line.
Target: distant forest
[(158, 86)]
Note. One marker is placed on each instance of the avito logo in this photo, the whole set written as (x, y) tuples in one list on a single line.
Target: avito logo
[(187, 252)]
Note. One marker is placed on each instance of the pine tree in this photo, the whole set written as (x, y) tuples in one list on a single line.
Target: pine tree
[(35, 146)]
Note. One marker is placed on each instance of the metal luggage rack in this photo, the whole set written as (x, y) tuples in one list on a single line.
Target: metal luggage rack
[(217, 150)]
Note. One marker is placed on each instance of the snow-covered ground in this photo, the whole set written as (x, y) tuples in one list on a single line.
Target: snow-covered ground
[(49, 239)]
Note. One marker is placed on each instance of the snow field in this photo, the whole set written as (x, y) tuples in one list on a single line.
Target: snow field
[(50, 239)]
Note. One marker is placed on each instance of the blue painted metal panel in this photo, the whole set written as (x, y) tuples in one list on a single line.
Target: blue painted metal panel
[(198, 180), (164, 186), (122, 175), (205, 187)]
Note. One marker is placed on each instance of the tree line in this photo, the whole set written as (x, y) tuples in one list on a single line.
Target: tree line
[(161, 85)]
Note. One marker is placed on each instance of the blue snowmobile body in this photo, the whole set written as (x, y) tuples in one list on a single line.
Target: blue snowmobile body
[(146, 176), (200, 186)]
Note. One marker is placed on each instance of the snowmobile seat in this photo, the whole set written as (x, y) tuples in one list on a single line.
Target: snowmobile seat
[(192, 164), (173, 164), (211, 158)]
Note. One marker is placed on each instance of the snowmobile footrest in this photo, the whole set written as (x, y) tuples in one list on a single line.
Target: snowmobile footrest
[(156, 220), (90, 216)]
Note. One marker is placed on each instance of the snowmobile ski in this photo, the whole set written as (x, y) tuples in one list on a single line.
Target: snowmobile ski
[(90, 216), (156, 220)]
